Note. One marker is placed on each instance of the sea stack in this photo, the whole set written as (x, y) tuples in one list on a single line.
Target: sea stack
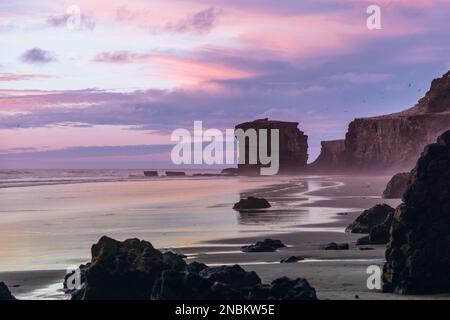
[(418, 254), (293, 145)]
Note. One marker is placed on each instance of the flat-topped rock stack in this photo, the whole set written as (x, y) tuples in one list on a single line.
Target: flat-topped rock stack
[(293, 146)]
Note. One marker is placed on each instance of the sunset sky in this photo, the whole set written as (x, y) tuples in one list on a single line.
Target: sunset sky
[(109, 93)]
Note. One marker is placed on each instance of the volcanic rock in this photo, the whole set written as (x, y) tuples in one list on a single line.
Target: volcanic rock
[(125, 270), (251, 203), (336, 246), (396, 187), (292, 259), (5, 294), (175, 174), (151, 173), (370, 218), (133, 269), (293, 146), (418, 254), (284, 289), (267, 245)]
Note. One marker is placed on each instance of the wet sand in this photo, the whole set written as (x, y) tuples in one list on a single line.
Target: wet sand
[(334, 274)]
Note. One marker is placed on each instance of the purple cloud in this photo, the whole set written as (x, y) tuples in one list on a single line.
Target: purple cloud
[(120, 57), (58, 21), (37, 56), (200, 22)]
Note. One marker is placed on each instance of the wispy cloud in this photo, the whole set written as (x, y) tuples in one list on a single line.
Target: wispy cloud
[(120, 57), (7, 77), (87, 22), (201, 22)]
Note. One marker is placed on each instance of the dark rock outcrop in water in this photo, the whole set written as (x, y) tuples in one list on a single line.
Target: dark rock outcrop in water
[(175, 174), (393, 142), (418, 254), (292, 259), (5, 294), (293, 146), (133, 269), (151, 173), (267, 245), (396, 187), (336, 246), (251, 203), (370, 218)]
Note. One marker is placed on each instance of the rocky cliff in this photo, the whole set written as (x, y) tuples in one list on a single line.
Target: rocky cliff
[(293, 146), (393, 142), (418, 254), (332, 155)]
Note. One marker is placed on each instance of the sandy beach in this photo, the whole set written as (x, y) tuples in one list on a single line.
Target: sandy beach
[(307, 213)]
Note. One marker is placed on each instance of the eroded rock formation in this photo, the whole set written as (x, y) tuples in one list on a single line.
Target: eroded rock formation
[(370, 218), (133, 269), (293, 146), (332, 155), (5, 294), (393, 142), (396, 187), (418, 254)]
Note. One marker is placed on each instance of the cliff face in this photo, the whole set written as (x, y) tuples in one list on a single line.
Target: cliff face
[(332, 155), (393, 142), (418, 253), (293, 146)]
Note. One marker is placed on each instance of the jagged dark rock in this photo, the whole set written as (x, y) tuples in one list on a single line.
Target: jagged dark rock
[(125, 270), (336, 246), (267, 245), (284, 289), (233, 276), (332, 156), (175, 174), (370, 218), (396, 187), (363, 241), (5, 294), (292, 259), (418, 253), (151, 173), (133, 269), (251, 203), (293, 146)]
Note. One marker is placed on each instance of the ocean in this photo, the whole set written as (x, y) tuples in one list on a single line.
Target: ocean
[(50, 218)]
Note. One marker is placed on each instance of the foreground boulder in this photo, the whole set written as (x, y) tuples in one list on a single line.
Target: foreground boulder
[(370, 218), (5, 294), (133, 269), (125, 270), (396, 187), (284, 289), (418, 254), (251, 203), (267, 245)]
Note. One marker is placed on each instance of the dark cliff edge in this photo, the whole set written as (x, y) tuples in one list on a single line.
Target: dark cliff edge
[(391, 142)]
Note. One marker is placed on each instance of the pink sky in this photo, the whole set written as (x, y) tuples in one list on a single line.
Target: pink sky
[(133, 71)]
